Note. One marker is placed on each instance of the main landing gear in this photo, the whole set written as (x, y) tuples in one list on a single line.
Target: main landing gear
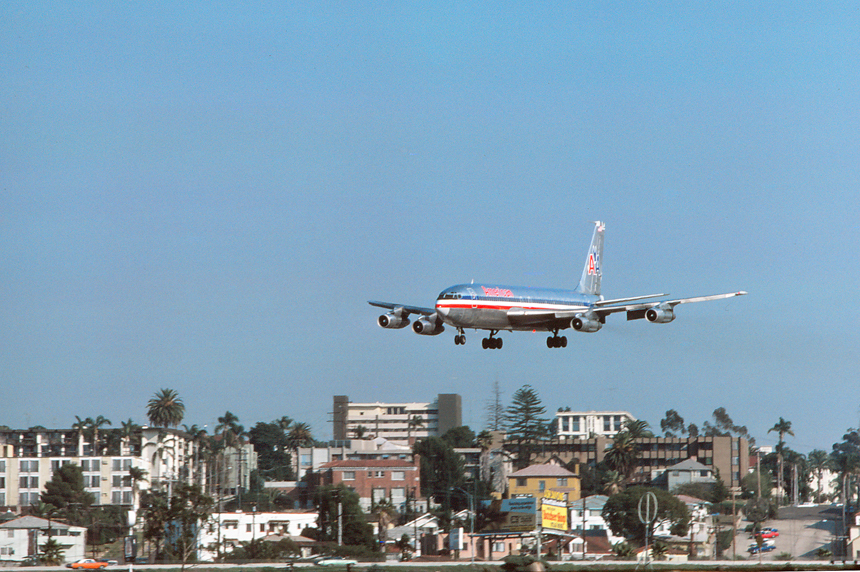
[(492, 343), (460, 339), (556, 341)]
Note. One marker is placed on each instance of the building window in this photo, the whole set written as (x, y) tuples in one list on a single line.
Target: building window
[(2, 466), (398, 475), (561, 482), (29, 466), (117, 481), (541, 486), (117, 464), (116, 497), (349, 475), (521, 482), (126, 497), (607, 423), (575, 423), (2, 486), (248, 528), (703, 473)]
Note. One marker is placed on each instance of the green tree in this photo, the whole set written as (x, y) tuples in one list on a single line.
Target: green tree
[(271, 445), (723, 426), (165, 409), (459, 437), (187, 510), (622, 516), (673, 424), (484, 440), (441, 469), (52, 553), (356, 531), (622, 455), (66, 491), (525, 424)]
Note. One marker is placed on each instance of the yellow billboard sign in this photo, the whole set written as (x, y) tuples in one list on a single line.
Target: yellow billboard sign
[(553, 511)]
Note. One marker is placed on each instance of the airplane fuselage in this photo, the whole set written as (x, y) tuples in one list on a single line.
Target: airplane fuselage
[(490, 307)]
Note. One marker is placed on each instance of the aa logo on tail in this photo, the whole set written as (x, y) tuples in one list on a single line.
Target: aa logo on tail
[(593, 263)]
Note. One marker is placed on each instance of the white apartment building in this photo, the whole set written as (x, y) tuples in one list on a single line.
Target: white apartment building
[(28, 459), (392, 420), (586, 424), (231, 529)]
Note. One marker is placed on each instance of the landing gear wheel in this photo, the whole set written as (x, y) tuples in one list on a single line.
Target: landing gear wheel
[(485, 343), (563, 341), (460, 340), (550, 343), (499, 343)]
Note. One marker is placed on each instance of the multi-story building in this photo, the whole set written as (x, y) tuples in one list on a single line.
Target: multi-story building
[(728, 455), (585, 424), (392, 420), (28, 459), (375, 480), (310, 459)]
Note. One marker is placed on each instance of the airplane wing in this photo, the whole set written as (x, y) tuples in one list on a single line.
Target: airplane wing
[(545, 318), (406, 310)]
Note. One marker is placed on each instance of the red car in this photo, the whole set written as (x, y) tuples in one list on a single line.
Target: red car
[(87, 564), (769, 533)]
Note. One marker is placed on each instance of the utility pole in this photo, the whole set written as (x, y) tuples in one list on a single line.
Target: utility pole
[(339, 522), (584, 543)]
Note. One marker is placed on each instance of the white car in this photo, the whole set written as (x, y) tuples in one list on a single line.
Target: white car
[(335, 561)]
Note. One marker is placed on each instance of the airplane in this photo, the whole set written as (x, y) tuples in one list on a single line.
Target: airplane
[(508, 308)]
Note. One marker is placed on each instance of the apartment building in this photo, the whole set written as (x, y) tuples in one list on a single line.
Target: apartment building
[(309, 459), (585, 424), (374, 480), (28, 459), (392, 420), (728, 455)]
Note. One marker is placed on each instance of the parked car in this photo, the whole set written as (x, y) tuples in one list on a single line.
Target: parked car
[(769, 533), (87, 564), (110, 562), (335, 561), (764, 548)]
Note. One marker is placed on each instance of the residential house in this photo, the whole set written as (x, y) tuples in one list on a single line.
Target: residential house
[(25, 536), (231, 529), (374, 480)]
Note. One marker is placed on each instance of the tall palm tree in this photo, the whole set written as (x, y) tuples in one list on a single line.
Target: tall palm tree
[(165, 409), (359, 431), (782, 427), (128, 430), (231, 435), (198, 437), (96, 423), (81, 426), (135, 475), (415, 422)]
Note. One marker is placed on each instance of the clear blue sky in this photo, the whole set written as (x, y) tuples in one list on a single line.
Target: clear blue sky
[(203, 197)]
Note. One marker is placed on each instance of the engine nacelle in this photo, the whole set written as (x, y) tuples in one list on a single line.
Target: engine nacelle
[(662, 314), (585, 323), (427, 327), (392, 321)]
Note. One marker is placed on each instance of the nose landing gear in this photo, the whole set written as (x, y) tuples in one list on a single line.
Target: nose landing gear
[(460, 339)]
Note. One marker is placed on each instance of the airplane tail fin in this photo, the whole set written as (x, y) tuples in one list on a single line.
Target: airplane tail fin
[(590, 281)]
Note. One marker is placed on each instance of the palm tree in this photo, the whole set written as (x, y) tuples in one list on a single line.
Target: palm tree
[(614, 483), (359, 431), (96, 423), (165, 409), (415, 422), (52, 553), (622, 456), (819, 461), (81, 426), (198, 436), (135, 475), (128, 430), (782, 427), (300, 436)]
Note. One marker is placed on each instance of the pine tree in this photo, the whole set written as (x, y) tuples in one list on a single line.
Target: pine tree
[(525, 424)]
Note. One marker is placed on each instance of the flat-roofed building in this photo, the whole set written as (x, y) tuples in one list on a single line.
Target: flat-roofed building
[(396, 421)]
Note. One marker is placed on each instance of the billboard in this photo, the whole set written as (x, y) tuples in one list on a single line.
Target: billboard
[(553, 510), (520, 514)]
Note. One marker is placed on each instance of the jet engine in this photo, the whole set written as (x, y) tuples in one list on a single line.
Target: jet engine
[(393, 321), (586, 323), (661, 314), (429, 326)]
